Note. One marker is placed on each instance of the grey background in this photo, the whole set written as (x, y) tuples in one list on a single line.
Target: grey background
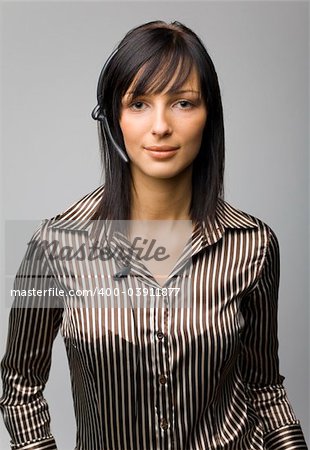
[(51, 57)]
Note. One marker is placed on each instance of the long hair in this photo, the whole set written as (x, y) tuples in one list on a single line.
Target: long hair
[(162, 50)]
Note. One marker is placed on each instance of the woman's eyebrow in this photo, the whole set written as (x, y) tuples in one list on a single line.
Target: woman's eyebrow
[(179, 91), (182, 91)]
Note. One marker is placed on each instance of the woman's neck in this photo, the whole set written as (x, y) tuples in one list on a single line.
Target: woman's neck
[(161, 199)]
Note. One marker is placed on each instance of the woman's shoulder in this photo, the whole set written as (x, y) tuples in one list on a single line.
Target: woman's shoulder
[(232, 217), (81, 210), (248, 231), (76, 217)]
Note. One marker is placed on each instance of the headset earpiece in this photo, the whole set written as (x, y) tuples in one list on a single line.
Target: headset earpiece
[(97, 114)]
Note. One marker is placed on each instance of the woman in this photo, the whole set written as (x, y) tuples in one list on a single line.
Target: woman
[(165, 295)]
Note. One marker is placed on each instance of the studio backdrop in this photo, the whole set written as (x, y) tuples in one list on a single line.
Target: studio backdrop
[(52, 54)]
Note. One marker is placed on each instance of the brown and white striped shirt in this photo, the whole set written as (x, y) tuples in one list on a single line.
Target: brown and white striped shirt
[(190, 365)]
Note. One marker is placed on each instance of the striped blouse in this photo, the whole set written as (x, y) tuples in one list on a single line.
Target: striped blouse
[(188, 365)]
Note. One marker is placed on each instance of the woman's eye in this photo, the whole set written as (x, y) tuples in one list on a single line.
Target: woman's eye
[(185, 104), (140, 105), (137, 106)]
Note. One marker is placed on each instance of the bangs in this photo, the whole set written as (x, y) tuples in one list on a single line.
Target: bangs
[(168, 69)]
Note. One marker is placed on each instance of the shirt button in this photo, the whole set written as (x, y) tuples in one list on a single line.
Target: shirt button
[(160, 335), (162, 379), (164, 424)]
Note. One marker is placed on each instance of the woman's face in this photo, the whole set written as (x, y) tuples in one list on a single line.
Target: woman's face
[(163, 132)]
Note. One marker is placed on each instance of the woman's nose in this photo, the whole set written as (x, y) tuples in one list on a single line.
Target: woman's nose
[(161, 124)]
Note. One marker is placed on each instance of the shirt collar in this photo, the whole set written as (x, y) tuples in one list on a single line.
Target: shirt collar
[(78, 218), (102, 234)]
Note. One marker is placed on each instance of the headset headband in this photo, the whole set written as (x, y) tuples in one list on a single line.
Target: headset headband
[(99, 113)]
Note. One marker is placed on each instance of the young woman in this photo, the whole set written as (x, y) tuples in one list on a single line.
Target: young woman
[(165, 295)]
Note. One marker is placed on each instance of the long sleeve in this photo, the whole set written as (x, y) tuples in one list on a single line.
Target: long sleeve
[(33, 325), (259, 360)]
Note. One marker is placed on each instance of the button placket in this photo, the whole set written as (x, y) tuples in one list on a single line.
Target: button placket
[(164, 409), (164, 424), (162, 379), (166, 301), (160, 335)]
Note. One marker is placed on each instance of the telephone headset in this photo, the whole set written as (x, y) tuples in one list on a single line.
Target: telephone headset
[(99, 112)]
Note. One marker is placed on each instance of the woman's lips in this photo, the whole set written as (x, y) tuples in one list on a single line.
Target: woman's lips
[(162, 151), (161, 148)]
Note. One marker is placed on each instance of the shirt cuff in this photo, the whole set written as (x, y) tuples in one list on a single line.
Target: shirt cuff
[(289, 437), (42, 444)]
